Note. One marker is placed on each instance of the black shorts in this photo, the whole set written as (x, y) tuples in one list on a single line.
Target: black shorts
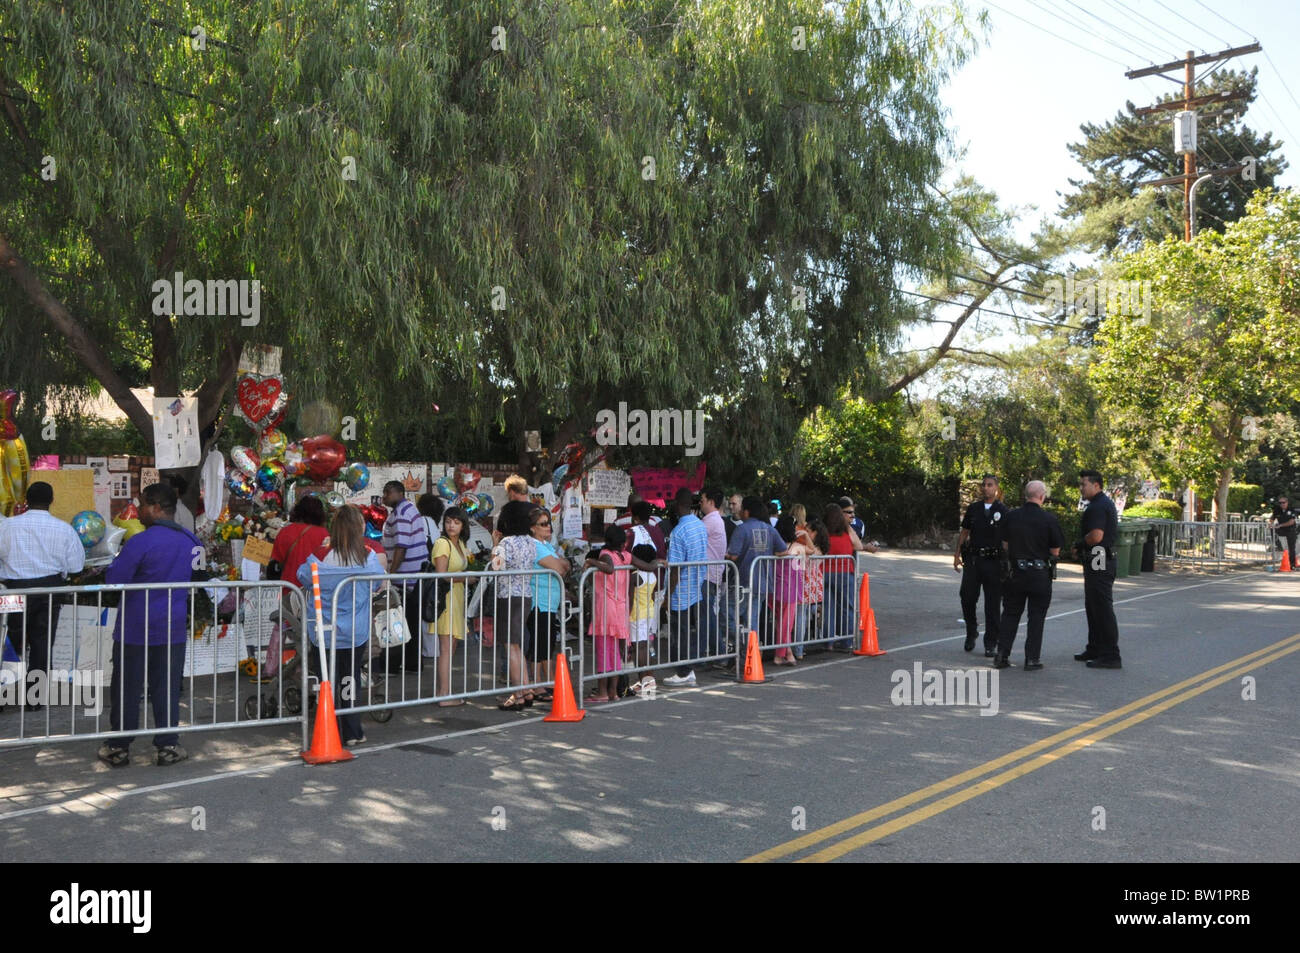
[(543, 629)]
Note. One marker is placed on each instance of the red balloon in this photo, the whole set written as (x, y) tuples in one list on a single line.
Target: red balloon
[(323, 456), (376, 515), (466, 479), (8, 429)]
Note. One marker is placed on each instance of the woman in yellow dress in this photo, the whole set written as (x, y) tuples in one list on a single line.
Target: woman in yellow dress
[(449, 556)]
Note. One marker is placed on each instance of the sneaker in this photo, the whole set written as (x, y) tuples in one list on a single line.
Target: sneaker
[(353, 742), (647, 686), (676, 681), (170, 754)]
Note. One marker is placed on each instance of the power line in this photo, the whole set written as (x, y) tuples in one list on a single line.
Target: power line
[(1135, 13), (1280, 79), (1192, 22), (1218, 14), (1073, 22), (1057, 35)]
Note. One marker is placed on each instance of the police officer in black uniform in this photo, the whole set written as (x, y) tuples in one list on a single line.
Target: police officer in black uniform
[(1284, 525), (1033, 542), (978, 556), (1100, 524)]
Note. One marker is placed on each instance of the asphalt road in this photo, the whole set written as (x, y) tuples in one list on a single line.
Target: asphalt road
[(1162, 761)]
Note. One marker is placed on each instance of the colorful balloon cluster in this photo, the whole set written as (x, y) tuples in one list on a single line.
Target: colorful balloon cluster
[(376, 515), (457, 488), (14, 465), (264, 473)]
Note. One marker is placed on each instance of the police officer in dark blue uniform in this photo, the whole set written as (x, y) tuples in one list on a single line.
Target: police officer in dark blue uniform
[(1284, 525), (1100, 523), (978, 556), (1033, 542)]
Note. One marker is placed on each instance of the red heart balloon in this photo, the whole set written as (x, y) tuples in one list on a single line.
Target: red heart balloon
[(466, 479), (375, 513), (257, 396), (323, 456)]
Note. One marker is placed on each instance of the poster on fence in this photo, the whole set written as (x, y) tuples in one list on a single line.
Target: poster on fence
[(608, 488), (256, 610), (83, 639), (218, 650)]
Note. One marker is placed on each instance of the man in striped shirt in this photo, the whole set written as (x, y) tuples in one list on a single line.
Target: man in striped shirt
[(407, 547)]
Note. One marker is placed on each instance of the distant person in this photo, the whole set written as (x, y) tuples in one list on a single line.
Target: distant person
[(1284, 525), (714, 623), (303, 535), (609, 611), (689, 545), (149, 636), (37, 550), (838, 576), (754, 537), (408, 551), (431, 509), (851, 515), (1032, 541)]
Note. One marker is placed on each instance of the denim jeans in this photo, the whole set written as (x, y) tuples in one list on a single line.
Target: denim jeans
[(839, 608), (709, 623), (802, 616), (162, 671)]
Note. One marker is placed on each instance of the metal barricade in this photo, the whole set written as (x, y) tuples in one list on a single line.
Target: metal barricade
[(700, 600), (797, 601), (1210, 545), (182, 652), (510, 640)]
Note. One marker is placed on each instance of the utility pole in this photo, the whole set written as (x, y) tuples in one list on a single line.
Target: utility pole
[(1190, 100)]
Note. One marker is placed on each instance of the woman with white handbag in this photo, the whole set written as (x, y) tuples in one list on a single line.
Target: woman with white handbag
[(350, 618)]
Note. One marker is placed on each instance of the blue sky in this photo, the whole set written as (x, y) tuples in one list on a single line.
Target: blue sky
[(1021, 100)]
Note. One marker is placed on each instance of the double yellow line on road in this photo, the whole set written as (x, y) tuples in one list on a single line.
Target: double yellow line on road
[(985, 780)]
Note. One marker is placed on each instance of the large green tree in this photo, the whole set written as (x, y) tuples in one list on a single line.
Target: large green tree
[(521, 214), (1188, 389)]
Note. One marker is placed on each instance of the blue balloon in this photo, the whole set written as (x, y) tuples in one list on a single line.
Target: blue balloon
[(90, 527)]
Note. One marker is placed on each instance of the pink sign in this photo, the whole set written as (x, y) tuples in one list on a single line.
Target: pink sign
[(46, 461), (658, 485)]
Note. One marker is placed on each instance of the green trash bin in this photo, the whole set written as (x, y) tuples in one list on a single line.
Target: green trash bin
[(1138, 530), (1123, 551)]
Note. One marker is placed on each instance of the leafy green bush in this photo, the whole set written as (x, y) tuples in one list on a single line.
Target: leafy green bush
[(1155, 509), (1068, 516), (1245, 498)]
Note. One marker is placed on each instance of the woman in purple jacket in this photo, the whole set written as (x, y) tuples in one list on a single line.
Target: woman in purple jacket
[(152, 626)]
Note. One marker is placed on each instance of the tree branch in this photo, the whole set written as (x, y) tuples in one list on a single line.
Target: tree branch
[(84, 346)]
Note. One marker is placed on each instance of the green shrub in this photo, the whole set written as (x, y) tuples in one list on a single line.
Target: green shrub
[(1245, 498), (1155, 509), (1069, 517)]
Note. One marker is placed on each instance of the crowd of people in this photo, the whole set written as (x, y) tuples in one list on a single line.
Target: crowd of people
[(697, 579)]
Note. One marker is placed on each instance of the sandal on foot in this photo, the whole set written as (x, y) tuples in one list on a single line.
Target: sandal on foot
[(544, 697), (170, 754), (114, 757), (513, 703)]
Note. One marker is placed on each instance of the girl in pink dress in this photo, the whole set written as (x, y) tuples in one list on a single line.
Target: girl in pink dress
[(609, 611)]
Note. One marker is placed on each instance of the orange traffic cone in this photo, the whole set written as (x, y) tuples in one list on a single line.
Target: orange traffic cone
[(326, 747), (869, 644), (753, 661), (1286, 561), (563, 705)]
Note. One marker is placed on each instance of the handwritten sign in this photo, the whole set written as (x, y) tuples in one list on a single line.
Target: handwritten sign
[(258, 550), (608, 488), (175, 433)]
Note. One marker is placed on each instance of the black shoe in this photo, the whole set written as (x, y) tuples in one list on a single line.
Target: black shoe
[(1104, 663), (1032, 665), (1002, 662), (970, 643), (1084, 656), (990, 653)]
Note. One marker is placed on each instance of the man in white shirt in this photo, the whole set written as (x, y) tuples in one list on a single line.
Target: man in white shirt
[(37, 550)]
